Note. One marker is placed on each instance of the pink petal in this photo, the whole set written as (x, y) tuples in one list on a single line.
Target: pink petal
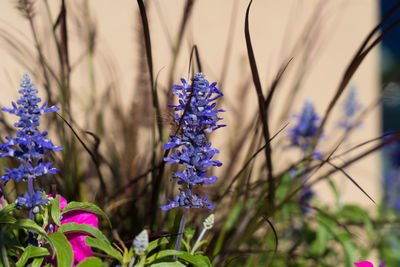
[(77, 241), (364, 264), (80, 249), (63, 201)]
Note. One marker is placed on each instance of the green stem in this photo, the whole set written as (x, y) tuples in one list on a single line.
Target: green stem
[(4, 255), (199, 238)]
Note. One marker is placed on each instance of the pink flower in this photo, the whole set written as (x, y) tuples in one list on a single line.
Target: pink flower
[(364, 264), (77, 241)]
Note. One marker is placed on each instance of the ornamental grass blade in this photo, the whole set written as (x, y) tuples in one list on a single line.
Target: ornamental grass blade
[(263, 108), (352, 180), (274, 231)]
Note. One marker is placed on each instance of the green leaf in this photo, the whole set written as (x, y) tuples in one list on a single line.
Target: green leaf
[(348, 248), (37, 262), (104, 246), (89, 207), (186, 245), (283, 186), (156, 243), (197, 260), (162, 254), (199, 244), (168, 264), (65, 255), (7, 209), (82, 228), (31, 225), (320, 244), (31, 252), (7, 219), (189, 233), (91, 262), (335, 191), (55, 210), (127, 257)]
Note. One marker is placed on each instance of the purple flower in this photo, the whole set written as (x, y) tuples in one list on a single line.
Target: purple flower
[(391, 185), (307, 126), (350, 108), (189, 200), (305, 197), (29, 146), (31, 201), (192, 148)]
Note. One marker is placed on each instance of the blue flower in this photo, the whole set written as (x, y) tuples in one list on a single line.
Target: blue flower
[(31, 201), (30, 145), (350, 108), (391, 184), (189, 200), (192, 149), (307, 126), (305, 197)]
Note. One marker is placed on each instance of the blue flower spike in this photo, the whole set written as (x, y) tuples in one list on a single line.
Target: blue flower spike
[(350, 108), (29, 147), (306, 128), (192, 149)]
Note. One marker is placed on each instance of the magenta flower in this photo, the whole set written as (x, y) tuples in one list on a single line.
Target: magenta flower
[(77, 241), (364, 264)]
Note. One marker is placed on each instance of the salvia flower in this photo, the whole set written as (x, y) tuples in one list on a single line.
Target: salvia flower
[(29, 146), (209, 222), (192, 149), (305, 198), (350, 108), (141, 242), (306, 128)]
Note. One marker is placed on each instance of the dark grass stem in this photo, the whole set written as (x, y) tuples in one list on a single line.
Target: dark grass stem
[(95, 160), (263, 108), (156, 176)]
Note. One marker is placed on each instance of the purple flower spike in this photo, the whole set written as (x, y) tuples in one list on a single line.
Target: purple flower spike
[(350, 108), (307, 126), (192, 149), (30, 145)]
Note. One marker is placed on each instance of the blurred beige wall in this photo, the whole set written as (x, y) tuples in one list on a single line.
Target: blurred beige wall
[(338, 28)]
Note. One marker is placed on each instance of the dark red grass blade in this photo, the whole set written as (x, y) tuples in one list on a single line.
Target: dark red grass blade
[(195, 51), (262, 107), (147, 40), (274, 230), (92, 156), (351, 179)]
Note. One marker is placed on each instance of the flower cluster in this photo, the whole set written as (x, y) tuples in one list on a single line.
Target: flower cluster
[(350, 108), (29, 146), (141, 242), (198, 116), (306, 128)]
